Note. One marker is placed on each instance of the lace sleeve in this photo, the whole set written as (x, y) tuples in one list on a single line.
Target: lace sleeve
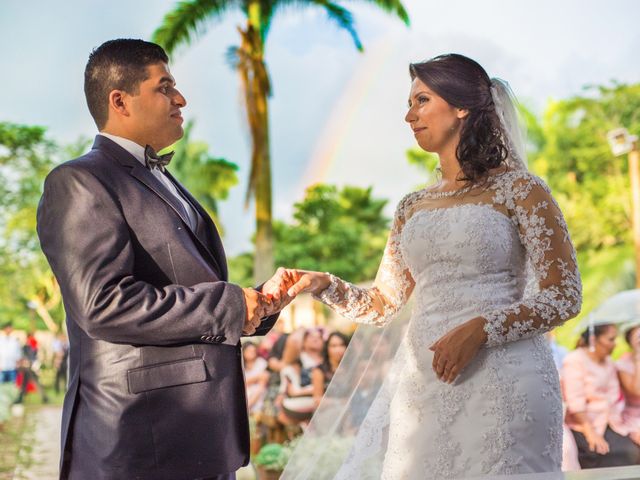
[(543, 233), (391, 289)]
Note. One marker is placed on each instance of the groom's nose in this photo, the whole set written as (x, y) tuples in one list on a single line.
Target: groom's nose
[(179, 100)]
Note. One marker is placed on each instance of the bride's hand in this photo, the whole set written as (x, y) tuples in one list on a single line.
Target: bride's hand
[(307, 281), (276, 290), (457, 348)]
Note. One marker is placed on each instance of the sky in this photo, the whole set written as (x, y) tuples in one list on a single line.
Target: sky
[(336, 114)]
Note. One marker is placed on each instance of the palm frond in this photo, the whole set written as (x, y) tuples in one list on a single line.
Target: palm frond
[(188, 21), (268, 8), (343, 17), (393, 7), (337, 13)]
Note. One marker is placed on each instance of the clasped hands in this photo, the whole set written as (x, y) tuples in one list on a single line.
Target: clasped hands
[(451, 353), (277, 293)]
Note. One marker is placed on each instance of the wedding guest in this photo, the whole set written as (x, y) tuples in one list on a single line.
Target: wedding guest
[(298, 403), (594, 402), (312, 346), (10, 353), (629, 374), (332, 354), (28, 380), (256, 376)]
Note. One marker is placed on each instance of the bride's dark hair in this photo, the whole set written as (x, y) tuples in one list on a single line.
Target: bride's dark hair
[(463, 83)]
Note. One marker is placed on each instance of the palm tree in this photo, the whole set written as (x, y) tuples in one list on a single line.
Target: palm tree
[(188, 20)]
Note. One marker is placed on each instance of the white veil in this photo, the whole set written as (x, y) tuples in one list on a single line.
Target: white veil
[(347, 436), (513, 127)]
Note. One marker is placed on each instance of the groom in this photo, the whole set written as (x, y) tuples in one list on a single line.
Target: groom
[(156, 388)]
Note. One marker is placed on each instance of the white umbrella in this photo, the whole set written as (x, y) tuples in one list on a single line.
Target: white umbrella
[(621, 309)]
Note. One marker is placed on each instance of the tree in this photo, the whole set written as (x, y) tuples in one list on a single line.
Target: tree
[(209, 179), (340, 231), (188, 20), (427, 162), (591, 185), (29, 287)]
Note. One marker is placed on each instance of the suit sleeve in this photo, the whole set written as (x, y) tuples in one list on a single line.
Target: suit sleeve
[(88, 244)]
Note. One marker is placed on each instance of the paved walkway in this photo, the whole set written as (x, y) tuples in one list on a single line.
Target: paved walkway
[(40, 446)]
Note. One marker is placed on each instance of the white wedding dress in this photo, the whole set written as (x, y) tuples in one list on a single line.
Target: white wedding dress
[(460, 256)]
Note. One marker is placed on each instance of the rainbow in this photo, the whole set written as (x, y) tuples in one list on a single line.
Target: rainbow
[(342, 117)]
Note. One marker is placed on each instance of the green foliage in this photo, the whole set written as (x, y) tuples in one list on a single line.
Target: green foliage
[(592, 186), (27, 286), (241, 269), (189, 19), (426, 162), (340, 231), (274, 456), (209, 179)]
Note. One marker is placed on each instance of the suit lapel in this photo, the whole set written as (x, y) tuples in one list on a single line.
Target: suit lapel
[(211, 235), (143, 175)]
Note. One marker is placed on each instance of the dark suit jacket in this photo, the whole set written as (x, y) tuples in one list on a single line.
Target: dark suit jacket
[(156, 386)]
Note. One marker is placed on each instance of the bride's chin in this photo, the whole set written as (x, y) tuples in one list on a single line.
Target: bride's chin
[(427, 147)]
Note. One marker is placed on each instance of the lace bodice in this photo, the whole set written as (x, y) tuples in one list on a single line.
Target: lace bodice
[(485, 239)]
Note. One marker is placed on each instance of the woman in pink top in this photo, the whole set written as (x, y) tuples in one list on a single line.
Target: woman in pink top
[(629, 374), (594, 402)]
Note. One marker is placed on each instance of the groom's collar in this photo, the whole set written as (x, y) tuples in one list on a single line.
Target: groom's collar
[(115, 151), (129, 145)]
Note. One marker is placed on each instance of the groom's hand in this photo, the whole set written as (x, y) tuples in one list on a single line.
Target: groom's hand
[(258, 306)]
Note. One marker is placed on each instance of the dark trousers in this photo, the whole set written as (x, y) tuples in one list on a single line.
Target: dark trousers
[(61, 379), (622, 451), (224, 476)]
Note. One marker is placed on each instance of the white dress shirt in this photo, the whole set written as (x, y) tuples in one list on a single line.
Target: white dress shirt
[(138, 152)]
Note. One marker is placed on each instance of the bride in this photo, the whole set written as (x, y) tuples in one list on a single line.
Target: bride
[(472, 389)]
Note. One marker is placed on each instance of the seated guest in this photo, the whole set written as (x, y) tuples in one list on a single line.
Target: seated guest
[(629, 374), (298, 404), (312, 345), (332, 354), (295, 378), (594, 402), (256, 376)]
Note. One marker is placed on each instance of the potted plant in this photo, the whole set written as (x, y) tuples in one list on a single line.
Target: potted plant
[(271, 460)]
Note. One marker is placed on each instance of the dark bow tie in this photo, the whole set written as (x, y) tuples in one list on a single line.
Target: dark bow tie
[(153, 160)]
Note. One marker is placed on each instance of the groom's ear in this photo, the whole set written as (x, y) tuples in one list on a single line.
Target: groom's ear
[(117, 102)]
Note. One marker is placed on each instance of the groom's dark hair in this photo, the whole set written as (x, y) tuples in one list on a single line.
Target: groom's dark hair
[(117, 65)]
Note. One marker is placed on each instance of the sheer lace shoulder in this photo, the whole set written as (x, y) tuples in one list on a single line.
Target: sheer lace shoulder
[(545, 237), (392, 287)]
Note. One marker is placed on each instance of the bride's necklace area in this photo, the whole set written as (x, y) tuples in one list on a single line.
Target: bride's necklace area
[(432, 193), (446, 193)]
